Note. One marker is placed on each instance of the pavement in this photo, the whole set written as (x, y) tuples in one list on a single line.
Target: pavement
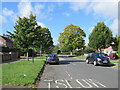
[(75, 73)]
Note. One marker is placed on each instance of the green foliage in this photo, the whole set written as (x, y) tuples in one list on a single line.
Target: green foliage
[(55, 48), (88, 50), (72, 38), (101, 36), (24, 30), (115, 45), (28, 35)]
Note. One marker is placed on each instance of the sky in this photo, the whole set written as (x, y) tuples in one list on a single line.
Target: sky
[(56, 15)]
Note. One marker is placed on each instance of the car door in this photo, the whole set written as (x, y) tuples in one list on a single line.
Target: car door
[(92, 57), (88, 57)]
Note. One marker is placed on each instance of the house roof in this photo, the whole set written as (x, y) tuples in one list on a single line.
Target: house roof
[(7, 39)]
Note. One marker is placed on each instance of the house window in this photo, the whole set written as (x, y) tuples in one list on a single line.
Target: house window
[(1, 42)]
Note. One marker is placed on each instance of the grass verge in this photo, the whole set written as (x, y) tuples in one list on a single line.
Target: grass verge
[(118, 61), (21, 73), (79, 57), (42, 57)]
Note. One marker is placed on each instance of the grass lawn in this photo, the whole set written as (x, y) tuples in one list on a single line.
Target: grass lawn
[(79, 57), (13, 73), (115, 61), (42, 57)]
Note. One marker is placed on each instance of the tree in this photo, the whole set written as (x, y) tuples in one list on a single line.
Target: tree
[(28, 35), (115, 40), (24, 32), (72, 37), (101, 36)]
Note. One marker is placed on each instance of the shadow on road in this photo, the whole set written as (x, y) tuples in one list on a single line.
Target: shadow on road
[(111, 65)]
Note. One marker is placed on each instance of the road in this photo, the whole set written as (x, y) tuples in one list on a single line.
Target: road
[(74, 73)]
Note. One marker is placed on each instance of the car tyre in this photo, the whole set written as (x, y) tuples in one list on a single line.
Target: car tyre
[(95, 63), (87, 61)]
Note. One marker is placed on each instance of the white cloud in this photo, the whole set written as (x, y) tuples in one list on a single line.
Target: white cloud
[(106, 9), (7, 12), (41, 24), (25, 8), (38, 11), (78, 5), (67, 14), (2, 20), (114, 26)]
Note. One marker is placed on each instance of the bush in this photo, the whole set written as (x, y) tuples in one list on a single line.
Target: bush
[(80, 52), (67, 53)]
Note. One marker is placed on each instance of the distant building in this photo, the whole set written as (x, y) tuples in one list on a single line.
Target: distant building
[(108, 50), (6, 42)]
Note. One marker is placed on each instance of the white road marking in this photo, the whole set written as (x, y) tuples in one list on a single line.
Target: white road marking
[(94, 83), (89, 86), (84, 83), (68, 84), (69, 75), (48, 83), (56, 81)]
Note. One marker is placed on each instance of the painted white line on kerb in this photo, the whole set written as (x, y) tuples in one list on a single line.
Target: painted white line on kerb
[(68, 84)]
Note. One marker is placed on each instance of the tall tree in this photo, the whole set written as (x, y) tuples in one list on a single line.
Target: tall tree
[(23, 33), (101, 36), (72, 37)]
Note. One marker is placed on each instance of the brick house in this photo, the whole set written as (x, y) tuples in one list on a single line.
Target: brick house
[(108, 50), (6, 42)]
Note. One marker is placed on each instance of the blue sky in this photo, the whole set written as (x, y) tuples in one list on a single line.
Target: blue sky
[(57, 15)]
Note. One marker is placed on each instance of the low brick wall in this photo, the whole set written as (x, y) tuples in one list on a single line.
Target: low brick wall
[(9, 56)]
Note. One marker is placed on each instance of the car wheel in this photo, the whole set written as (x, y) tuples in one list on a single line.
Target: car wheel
[(87, 61), (95, 63)]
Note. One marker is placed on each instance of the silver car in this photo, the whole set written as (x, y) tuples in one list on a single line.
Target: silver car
[(52, 58)]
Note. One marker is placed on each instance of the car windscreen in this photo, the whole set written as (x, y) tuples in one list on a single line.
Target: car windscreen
[(100, 55), (50, 55)]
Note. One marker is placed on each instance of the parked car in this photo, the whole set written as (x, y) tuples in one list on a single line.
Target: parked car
[(52, 58), (97, 59), (113, 55)]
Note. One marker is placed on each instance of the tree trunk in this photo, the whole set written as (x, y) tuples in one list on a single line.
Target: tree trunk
[(27, 55), (71, 53)]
